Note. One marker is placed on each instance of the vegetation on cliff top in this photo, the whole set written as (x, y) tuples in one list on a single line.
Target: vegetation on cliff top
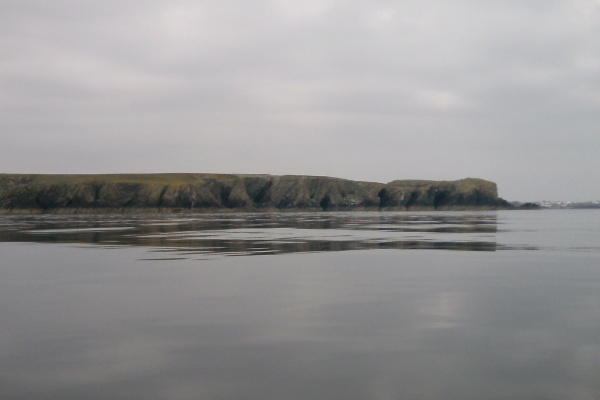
[(229, 191)]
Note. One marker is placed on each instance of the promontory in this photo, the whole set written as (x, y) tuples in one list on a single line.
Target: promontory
[(214, 192)]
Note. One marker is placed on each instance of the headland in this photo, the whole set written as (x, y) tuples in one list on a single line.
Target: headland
[(236, 192)]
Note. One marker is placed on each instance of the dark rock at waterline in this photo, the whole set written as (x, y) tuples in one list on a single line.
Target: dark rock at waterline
[(238, 192)]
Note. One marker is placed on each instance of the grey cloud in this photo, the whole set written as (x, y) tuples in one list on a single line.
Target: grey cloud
[(364, 90)]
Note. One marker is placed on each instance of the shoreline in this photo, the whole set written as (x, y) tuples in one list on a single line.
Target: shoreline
[(169, 211)]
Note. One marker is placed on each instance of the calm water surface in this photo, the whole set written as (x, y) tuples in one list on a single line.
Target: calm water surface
[(457, 305)]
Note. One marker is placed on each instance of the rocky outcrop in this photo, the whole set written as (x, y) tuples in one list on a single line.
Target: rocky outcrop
[(464, 193), (244, 192)]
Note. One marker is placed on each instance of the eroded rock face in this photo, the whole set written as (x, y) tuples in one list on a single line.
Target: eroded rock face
[(245, 192), (467, 193)]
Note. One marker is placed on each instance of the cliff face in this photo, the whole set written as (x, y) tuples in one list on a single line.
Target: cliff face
[(468, 192), (207, 191)]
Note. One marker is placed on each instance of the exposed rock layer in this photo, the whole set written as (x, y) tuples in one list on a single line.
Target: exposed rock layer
[(245, 192)]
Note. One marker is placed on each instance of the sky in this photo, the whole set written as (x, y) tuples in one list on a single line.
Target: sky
[(374, 90)]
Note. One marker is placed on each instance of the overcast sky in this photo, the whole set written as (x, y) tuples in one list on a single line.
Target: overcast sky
[(369, 90)]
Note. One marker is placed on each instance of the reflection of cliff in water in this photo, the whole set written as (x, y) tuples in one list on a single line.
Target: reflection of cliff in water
[(261, 233)]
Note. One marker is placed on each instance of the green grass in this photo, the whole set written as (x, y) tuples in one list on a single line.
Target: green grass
[(163, 179)]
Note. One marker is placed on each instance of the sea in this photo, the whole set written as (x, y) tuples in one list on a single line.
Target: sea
[(295, 306)]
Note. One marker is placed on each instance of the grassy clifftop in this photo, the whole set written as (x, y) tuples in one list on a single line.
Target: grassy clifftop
[(246, 192), (59, 179)]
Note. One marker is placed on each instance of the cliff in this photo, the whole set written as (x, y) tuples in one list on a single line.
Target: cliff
[(246, 192), (468, 192)]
